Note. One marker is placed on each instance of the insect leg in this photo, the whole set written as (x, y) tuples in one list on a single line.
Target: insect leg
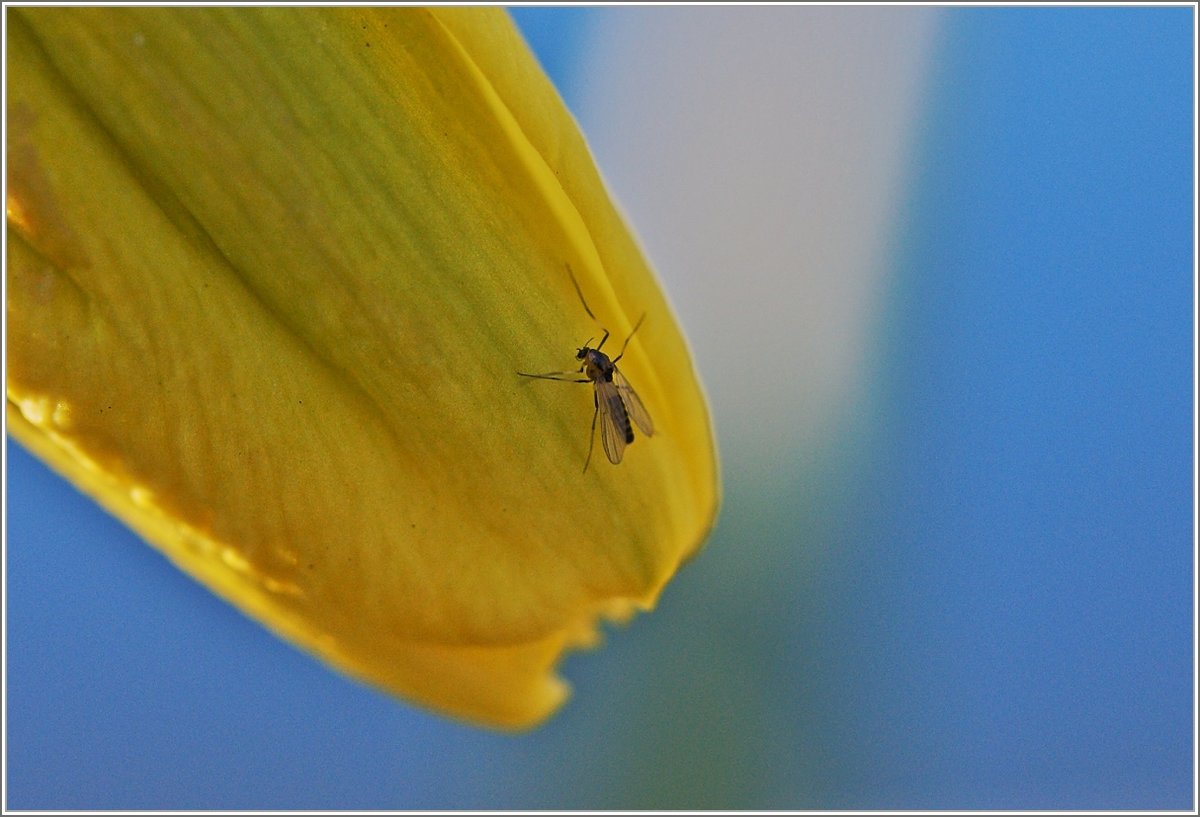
[(586, 308), (579, 292), (636, 326), (569, 376), (592, 433)]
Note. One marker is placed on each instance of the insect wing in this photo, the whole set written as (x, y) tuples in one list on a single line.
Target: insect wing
[(614, 422), (633, 404)]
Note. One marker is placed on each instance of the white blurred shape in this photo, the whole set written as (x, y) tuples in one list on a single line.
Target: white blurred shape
[(760, 155)]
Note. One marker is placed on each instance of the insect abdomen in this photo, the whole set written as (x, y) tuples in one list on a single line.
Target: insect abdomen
[(628, 427), (620, 416)]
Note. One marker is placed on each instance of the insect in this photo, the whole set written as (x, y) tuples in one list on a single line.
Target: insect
[(615, 401)]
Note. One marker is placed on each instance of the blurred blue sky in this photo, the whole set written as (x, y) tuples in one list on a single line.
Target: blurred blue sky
[(1000, 612), (1030, 503)]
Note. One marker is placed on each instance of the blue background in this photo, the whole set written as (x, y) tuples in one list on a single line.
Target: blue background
[(1006, 617)]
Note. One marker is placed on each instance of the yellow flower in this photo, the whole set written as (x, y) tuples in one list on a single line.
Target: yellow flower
[(272, 273)]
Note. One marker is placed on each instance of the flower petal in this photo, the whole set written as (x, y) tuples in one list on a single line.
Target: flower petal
[(272, 273)]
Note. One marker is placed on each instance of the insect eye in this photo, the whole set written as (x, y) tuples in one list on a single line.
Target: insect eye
[(580, 354)]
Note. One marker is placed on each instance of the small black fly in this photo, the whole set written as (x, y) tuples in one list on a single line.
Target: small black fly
[(616, 403)]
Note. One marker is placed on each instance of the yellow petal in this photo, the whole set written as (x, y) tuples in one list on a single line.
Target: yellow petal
[(272, 273)]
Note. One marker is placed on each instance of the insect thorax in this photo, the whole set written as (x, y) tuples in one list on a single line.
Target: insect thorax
[(596, 365)]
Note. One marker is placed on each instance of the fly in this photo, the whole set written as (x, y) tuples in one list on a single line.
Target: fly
[(615, 401)]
